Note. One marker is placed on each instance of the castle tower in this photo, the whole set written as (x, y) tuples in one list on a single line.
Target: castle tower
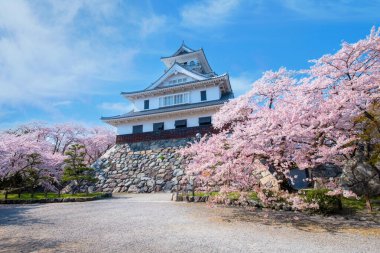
[(178, 104), (167, 114)]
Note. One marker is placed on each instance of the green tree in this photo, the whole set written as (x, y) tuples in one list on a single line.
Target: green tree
[(11, 183), (76, 170), (32, 175)]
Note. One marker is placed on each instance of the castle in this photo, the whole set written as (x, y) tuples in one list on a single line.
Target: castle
[(166, 115)]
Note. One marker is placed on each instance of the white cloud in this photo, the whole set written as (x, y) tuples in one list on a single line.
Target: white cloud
[(151, 25), (62, 103), (119, 108), (208, 13), (242, 83), (45, 56)]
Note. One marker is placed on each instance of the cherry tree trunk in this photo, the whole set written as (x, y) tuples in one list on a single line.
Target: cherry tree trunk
[(368, 203)]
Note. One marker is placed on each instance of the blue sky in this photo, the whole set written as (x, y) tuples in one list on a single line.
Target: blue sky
[(69, 60)]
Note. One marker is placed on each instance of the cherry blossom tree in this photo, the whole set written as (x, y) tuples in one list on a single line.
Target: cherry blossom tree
[(291, 119), (27, 154), (32, 155), (63, 135), (96, 142)]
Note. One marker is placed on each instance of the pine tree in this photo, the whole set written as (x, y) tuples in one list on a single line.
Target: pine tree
[(75, 169)]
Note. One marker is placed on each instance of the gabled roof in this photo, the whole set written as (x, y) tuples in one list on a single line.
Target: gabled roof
[(172, 70), (183, 53), (183, 49), (168, 109)]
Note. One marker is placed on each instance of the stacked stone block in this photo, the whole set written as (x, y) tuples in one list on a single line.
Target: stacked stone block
[(139, 167)]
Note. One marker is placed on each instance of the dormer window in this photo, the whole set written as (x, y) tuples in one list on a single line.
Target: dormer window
[(176, 99), (180, 80)]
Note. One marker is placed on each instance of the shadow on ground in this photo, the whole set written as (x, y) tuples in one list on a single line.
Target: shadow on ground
[(306, 222), (25, 244), (11, 215)]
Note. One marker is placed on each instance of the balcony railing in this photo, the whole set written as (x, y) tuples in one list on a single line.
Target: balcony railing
[(165, 134)]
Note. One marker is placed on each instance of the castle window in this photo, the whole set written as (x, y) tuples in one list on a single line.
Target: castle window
[(177, 99), (137, 129), (158, 126), (180, 123), (203, 95), (146, 104), (205, 121)]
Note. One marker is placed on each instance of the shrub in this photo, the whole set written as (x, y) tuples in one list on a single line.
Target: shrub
[(326, 203)]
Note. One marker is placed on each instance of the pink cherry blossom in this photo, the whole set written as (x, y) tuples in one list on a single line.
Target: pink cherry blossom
[(290, 119)]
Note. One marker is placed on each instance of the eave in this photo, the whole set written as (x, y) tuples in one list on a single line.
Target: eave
[(222, 81), (159, 116)]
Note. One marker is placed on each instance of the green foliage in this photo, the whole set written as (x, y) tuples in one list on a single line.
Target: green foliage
[(12, 182), (32, 175), (253, 196), (359, 204), (75, 168), (231, 195), (327, 204), (50, 195)]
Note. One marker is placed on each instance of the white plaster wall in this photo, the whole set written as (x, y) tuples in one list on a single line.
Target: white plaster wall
[(124, 129), (213, 93), (192, 121)]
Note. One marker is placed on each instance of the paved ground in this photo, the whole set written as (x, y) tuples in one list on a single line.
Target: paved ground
[(151, 223)]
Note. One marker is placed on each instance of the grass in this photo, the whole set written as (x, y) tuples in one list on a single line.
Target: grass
[(347, 203), (231, 195), (359, 204), (50, 195)]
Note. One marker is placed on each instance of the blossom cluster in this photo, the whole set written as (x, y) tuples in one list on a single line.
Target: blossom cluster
[(290, 119), (42, 148)]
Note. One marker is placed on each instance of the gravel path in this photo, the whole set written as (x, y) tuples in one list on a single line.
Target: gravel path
[(152, 223)]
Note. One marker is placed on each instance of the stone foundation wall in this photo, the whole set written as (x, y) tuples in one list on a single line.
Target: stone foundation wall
[(141, 167)]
